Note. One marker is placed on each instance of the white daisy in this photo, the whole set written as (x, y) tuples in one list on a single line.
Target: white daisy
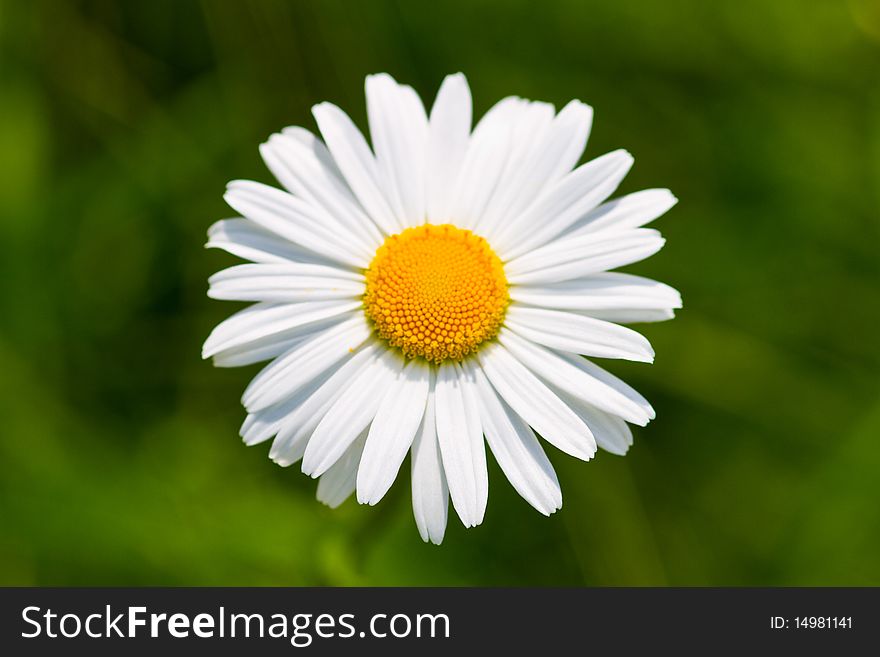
[(436, 290)]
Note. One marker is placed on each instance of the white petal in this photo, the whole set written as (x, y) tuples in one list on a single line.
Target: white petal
[(276, 320), (392, 431), (295, 220), (554, 147), (265, 423), (357, 164), (285, 375), (350, 414), (430, 495), (399, 131), (484, 162), (302, 163), (578, 334), (338, 483), (319, 394), (461, 444), (288, 269), (604, 291), (561, 204), (517, 450), (565, 259), (475, 429), (261, 426), (269, 347), (535, 403), (449, 132), (529, 127), (247, 240), (290, 283), (568, 138), (630, 211), (611, 432), (633, 315), (284, 165), (580, 378), (610, 380)]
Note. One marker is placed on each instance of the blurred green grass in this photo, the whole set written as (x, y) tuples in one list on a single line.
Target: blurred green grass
[(120, 124)]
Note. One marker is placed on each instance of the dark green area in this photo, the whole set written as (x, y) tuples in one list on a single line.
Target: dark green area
[(120, 124)]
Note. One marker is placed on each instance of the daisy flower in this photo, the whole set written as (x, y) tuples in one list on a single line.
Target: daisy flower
[(435, 294)]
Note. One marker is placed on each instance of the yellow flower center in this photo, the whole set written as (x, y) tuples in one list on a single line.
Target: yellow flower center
[(436, 292)]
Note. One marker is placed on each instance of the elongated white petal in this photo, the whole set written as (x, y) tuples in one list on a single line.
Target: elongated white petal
[(319, 395), (350, 414), (517, 450), (535, 403), (286, 374), (478, 446), (295, 220), (578, 334), (632, 315), (611, 381), (287, 269), (448, 134), (430, 494), (263, 320), (261, 425), (611, 433), (302, 163), (627, 212), (338, 483), (579, 378), (554, 147), (603, 291), (399, 131), (290, 283), (562, 204), (276, 153), (392, 431), (567, 139), (247, 240), (268, 347), (528, 129), (566, 259), (357, 164), (461, 444), (288, 447), (484, 162)]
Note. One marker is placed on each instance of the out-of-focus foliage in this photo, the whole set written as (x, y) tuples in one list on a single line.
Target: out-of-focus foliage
[(121, 122)]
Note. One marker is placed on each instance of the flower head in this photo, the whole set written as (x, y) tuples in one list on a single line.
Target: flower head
[(437, 293)]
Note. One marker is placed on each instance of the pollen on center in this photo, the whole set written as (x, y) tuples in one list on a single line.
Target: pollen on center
[(436, 292)]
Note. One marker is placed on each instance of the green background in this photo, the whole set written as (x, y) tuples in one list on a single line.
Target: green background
[(120, 124)]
